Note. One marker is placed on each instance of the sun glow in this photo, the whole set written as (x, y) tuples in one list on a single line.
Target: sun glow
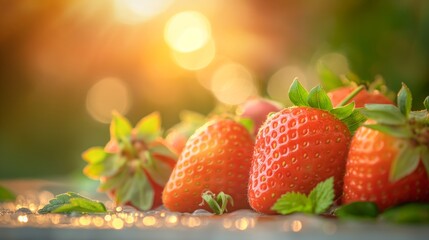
[(105, 96), (136, 11), (197, 59), (187, 31)]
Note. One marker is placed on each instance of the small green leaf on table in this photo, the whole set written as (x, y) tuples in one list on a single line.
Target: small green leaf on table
[(357, 210), (72, 202), (412, 213)]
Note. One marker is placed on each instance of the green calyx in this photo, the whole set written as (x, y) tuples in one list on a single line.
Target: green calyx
[(217, 203), (317, 98), (411, 128), (132, 156)]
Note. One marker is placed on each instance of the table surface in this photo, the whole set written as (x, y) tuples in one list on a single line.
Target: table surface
[(20, 220)]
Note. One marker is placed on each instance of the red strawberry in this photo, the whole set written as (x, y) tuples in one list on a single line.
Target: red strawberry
[(388, 162), (257, 109), (362, 98), (216, 159), (134, 165), (299, 147)]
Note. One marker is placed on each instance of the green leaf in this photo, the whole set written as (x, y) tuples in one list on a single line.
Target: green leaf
[(344, 111), (6, 195), (405, 162), (426, 103), (408, 213), (109, 167), (72, 202), (401, 131), (318, 201), (328, 78), (318, 98), (149, 127), (354, 121), (138, 191), (293, 202), (94, 155), (120, 128), (248, 124), (404, 100), (297, 94), (322, 196), (358, 210), (218, 204), (158, 170), (384, 114)]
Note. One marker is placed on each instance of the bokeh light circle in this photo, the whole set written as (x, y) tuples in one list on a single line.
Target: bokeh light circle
[(187, 31), (105, 96)]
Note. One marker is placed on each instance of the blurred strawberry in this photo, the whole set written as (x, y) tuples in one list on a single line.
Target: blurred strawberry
[(388, 162), (298, 147), (339, 87), (362, 98), (216, 159), (257, 109), (178, 135), (134, 165)]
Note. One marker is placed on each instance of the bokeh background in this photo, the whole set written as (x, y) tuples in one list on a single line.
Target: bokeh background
[(64, 65)]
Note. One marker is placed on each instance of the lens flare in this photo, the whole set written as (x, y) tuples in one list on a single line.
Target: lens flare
[(137, 11), (105, 96), (196, 60), (232, 84), (279, 83), (187, 31)]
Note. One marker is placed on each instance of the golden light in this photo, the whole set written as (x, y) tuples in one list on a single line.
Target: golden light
[(232, 84), (197, 59), (105, 96), (137, 11), (22, 218), (117, 223), (296, 226), (187, 31), (279, 83), (242, 224), (149, 221)]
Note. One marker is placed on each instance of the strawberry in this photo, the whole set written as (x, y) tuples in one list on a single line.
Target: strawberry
[(340, 87), (388, 162), (298, 147), (179, 133), (216, 159), (257, 109), (363, 97), (134, 165)]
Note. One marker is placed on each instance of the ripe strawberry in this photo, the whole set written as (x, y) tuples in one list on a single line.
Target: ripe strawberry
[(388, 162), (215, 159), (362, 98), (179, 133), (299, 147), (257, 109), (134, 165)]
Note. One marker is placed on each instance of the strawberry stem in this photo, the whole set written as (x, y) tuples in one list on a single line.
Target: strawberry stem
[(218, 204), (351, 96)]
